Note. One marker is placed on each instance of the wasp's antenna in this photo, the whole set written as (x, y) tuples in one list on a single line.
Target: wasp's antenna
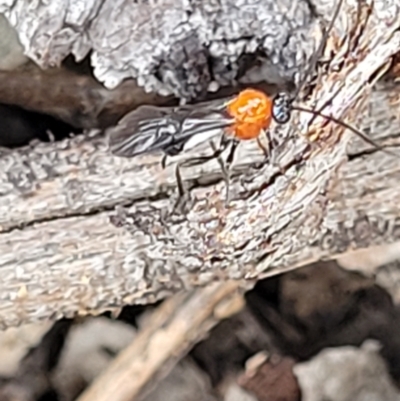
[(317, 54), (359, 133)]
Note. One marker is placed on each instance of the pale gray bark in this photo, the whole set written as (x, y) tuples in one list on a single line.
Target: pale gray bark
[(170, 46), (60, 254)]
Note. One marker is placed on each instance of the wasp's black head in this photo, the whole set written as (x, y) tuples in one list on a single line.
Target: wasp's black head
[(282, 108)]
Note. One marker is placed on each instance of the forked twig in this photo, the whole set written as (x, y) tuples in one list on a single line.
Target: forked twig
[(168, 334)]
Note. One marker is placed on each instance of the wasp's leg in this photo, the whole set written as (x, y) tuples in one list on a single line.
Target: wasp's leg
[(184, 197), (217, 151), (215, 155), (201, 159), (179, 181), (171, 151), (231, 155), (164, 161), (226, 165), (266, 150), (271, 157), (183, 194)]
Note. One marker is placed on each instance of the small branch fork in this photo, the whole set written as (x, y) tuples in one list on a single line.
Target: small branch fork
[(169, 333)]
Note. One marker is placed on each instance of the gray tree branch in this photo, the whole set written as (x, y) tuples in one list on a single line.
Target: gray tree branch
[(65, 249)]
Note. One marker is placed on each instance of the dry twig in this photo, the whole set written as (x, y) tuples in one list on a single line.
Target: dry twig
[(165, 338)]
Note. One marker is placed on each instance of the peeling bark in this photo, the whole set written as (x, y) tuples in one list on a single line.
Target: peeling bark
[(169, 46), (66, 246)]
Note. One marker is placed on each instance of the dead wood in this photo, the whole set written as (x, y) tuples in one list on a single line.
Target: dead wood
[(167, 335), (62, 252), (170, 46)]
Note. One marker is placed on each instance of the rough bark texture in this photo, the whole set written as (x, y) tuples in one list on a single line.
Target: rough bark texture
[(169, 46), (65, 250)]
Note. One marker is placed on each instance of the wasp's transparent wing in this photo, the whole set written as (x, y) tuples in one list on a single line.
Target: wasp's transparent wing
[(143, 130), (150, 129)]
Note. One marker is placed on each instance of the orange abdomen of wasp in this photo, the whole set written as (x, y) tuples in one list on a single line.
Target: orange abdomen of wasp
[(252, 112)]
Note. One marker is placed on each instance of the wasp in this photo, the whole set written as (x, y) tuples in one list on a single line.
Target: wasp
[(172, 131), (246, 116)]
